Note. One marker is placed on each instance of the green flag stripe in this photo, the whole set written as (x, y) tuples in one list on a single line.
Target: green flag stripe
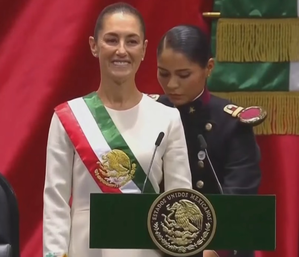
[(254, 76), (238, 77), (259, 9), (114, 138)]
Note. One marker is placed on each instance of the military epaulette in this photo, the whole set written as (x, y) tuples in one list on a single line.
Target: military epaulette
[(253, 115), (154, 96)]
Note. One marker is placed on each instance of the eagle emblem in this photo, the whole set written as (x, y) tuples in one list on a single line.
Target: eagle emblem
[(116, 169), (181, 222)]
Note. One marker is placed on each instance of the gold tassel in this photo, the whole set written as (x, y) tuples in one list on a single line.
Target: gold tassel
[(257, 40), (282, 109)]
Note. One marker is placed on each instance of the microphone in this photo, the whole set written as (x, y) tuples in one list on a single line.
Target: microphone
[(204, 146), (157, 144)]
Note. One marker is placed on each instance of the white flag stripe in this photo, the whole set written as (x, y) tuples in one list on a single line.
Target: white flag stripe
[(294, 69), (294, 76)]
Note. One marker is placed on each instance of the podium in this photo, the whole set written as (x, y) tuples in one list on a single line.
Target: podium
[(242, 222)]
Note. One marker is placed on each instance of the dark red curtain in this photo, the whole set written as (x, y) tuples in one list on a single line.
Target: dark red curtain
[(280, 166), (45, 60)]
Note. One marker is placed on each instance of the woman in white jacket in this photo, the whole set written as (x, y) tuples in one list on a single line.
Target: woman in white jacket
[(103, 142)]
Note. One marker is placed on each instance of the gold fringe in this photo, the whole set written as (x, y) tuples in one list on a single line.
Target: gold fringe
[(282, 109), (257, 40)]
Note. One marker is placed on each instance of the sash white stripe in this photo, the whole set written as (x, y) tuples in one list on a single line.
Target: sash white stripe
[(94, 136), (294, 69)]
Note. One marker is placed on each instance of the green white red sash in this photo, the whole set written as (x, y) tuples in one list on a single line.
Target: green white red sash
[(101, 147)]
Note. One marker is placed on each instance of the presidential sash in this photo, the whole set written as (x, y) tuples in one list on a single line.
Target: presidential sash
[(101, 146)]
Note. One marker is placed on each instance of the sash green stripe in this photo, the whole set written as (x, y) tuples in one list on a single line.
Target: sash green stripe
[(114, 138)]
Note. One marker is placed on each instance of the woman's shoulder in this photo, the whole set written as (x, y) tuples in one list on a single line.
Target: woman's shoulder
[(162, 99), (155, 101), (161, 111)]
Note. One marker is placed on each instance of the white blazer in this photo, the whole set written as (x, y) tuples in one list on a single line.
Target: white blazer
[(65, 227)]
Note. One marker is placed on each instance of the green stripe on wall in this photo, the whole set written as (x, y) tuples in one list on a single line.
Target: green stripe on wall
[(243, 77)]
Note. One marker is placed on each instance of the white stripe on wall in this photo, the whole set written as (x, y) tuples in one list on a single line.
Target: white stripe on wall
[(294, 69)]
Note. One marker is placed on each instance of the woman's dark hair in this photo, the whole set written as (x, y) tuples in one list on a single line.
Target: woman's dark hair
[(117, 8), (188, 40)]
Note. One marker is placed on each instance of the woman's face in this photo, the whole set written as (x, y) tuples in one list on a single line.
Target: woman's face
[(181, 79), (120, 46)]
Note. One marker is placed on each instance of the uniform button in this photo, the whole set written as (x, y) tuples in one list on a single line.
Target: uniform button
[(199, 184), (201, 164), (201, 155), (209, 126)]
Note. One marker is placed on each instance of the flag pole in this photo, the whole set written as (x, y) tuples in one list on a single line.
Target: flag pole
[(212, 15)]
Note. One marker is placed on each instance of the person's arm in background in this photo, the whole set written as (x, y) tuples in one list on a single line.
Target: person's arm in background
[(242, 171)]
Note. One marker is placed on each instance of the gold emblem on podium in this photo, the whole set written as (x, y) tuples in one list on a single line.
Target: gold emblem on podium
[(181, 222)]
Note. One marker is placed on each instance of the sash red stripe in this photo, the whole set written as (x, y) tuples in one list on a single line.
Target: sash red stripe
[(84, 150)]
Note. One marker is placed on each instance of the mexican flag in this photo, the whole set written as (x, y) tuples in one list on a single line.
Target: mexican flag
[(256, 47), (255, 44)]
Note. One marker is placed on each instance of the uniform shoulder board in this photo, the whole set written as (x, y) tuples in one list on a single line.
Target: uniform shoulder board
[(154, 96), (253, 115)]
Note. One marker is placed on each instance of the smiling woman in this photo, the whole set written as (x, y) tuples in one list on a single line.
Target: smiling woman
[(103, 142), (119, 43)]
